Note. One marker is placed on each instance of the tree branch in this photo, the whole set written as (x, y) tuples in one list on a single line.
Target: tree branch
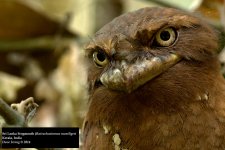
[(11, 117), (18, 115), (46, 43)]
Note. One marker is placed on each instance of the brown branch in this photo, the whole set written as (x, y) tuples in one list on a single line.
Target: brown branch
[(18, 115), (46, 43), (11, 117)]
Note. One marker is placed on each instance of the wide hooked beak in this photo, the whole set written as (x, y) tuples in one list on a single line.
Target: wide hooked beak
[(128, 77)]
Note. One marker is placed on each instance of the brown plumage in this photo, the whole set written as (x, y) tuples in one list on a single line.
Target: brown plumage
[(155, 83)]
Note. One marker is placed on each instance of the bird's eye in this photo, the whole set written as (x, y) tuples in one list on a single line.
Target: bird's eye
[(100, 58), (165, 37)]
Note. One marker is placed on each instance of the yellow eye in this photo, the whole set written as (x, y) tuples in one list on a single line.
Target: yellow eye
[(100, 58), (166, 37)]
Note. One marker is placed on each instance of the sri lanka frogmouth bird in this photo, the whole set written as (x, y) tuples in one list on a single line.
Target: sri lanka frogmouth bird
[(155, 84)]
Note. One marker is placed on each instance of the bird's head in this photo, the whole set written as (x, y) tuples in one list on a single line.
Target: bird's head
[(152, 46)]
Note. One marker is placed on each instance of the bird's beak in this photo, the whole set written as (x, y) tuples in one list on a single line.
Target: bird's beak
[(128, 77)]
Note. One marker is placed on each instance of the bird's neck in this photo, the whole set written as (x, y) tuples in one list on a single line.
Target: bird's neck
[(170, 92), (176, 104)]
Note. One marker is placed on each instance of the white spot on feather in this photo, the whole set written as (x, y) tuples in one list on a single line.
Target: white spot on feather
[(106, 128), (116, 139), (205, 96), (117, 142)]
